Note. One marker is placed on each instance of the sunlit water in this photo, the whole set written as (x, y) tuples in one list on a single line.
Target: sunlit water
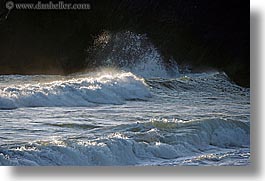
[(118, 118)]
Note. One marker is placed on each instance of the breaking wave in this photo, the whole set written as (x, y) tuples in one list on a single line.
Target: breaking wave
[(125, 58), (104, 88), (107, 86), (133, 144)]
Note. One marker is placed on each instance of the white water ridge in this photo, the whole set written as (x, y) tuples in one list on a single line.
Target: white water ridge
[(108, 88), (157, 140)]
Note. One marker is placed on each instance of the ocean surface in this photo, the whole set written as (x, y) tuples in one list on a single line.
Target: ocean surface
[(139, 114)]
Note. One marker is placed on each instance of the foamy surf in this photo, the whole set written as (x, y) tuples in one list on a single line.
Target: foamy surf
[(104, 88), (138, 144), (88, 119)]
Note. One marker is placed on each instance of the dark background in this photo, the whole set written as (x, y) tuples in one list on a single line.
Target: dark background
[(202, 33)]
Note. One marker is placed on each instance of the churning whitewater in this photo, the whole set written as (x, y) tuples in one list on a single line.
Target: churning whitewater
[(134, 110), (110, 88)]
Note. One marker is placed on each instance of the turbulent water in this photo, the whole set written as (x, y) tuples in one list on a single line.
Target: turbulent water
[(145, 114)]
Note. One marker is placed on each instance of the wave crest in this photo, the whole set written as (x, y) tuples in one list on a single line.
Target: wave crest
[(106, 88), (135, 144)]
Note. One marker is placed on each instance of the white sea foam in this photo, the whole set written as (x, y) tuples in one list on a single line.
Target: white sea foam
[(106, 88), (154, 140)]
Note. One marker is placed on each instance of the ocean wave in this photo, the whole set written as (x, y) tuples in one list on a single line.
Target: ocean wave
[(135, 144), (104, 88), (211, 82), (200, 133)]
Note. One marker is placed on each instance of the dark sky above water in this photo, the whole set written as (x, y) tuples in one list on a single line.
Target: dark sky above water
[(202, 33)]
